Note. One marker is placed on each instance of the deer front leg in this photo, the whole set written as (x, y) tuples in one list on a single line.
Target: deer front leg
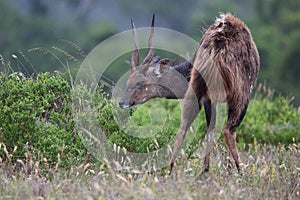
[(211, 116), (191, 108)]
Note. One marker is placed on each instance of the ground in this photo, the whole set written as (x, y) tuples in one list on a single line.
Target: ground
[(269, 173)]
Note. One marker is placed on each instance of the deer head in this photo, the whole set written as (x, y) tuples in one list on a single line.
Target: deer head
[(155, 77)]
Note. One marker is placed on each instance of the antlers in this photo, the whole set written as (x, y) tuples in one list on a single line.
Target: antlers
[(135, 54)]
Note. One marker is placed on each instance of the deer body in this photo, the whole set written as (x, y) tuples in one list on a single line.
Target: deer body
[(225, 69), (226, 66)]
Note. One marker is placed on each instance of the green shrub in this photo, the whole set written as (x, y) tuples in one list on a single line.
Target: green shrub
[(273, 121), (35, 118)]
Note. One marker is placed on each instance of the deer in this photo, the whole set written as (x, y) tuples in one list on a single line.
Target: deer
[(224, 69)]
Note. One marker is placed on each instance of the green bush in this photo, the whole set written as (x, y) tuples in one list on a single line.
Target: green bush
[(273, 121), (35, 118)]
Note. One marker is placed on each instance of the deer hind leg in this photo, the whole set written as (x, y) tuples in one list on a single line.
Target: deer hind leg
[(234, 120), (191, 108), (230, 138), (210, 114)]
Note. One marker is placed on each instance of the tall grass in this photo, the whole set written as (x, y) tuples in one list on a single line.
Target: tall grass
[(269, 173)]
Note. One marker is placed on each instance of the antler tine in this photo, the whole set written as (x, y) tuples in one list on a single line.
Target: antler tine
[(150, 54), (135, 54)]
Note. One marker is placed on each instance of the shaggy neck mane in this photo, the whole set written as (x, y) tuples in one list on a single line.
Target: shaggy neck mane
[(185, 69)]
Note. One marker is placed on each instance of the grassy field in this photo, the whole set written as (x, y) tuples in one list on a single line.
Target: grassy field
[(269, 173), (40, 160)]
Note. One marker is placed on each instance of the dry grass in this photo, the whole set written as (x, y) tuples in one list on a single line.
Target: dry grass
[(269, 173)]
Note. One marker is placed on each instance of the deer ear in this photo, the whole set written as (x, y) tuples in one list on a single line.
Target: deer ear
[(155, 59), (160, 69)]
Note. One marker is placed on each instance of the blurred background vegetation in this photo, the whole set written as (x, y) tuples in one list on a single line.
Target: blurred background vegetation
[(31, 30)]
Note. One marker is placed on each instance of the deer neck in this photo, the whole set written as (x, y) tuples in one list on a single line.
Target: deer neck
[(184, 69), (175, 83)]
